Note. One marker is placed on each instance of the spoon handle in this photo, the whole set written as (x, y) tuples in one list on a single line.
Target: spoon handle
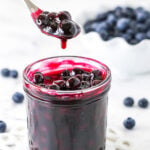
[(32, 7)]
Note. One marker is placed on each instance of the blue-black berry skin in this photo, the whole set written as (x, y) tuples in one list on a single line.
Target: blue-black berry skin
[(122, 24), (18, 97), (129, 101), (5, 72), (129, 123), (14, 73), (3, 127), (143, 103)]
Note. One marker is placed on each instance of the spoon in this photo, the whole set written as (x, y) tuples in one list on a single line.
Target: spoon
[(60, 34)]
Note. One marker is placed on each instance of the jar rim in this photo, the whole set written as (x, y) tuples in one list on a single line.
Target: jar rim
[(60, 92)]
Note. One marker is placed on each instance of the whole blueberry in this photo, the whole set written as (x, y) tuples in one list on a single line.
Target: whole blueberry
[(38, 78), (77, 71), (61, 84), (111, 19), (73, 83), (148, 34), (101, 17), (68, 28), (140, 27), (64, 15), (143, 103), (14, 73), (18, 97), (88, 26), (123, 24), (129, 12), (119, 11), (5, 72), (65, 74), (134, 42), (3, 126), (142, 16), (129, 102), (140, 36), (129, 123), (101, 27), (86, 77), (130, 32), (127, 37), (97, 75), (104, 35), (139, 9)]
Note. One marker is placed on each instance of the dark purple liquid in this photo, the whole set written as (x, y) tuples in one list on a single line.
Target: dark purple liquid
[(74, 121)]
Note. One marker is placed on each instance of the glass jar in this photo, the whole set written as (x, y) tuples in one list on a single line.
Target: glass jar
[(66, 120)]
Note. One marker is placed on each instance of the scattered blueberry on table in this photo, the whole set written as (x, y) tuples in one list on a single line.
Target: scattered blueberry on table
[(129, 123), (131, 24), (5, 72), (14, 73), (18, 97), (3, 126), (128, 101), (143, 103)]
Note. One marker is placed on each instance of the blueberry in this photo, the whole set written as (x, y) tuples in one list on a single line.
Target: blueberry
[(96, 82), (61, 84), (140, 36), (53, 26), (101, 27), (65, 75), (129, 12), (38, 78), (14, 73), (64, 15), (79, 76), (133, 42), (77, 71), (142, 16), (143, 103), (148, 34), (130, 32), (42, 21), (84, 85), (139, 9), (18, 97), (97, 75), (101, 17), (127, 37), (119, 11), (68, 28), (129, 102), (52, 16), (86, 77), (88, 26), (3, 126), (73, 83), (104, 35), (129, 123), (141, 27), (111, 19), (5, 72), (123, 24), (54, 87)]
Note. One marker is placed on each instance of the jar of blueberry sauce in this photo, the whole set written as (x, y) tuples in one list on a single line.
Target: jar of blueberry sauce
[(66, 119)]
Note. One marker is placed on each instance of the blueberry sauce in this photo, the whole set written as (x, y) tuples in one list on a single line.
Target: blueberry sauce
[(62, 114), (59, 25)]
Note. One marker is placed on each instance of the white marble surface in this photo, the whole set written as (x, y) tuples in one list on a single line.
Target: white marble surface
[(21, 43)]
